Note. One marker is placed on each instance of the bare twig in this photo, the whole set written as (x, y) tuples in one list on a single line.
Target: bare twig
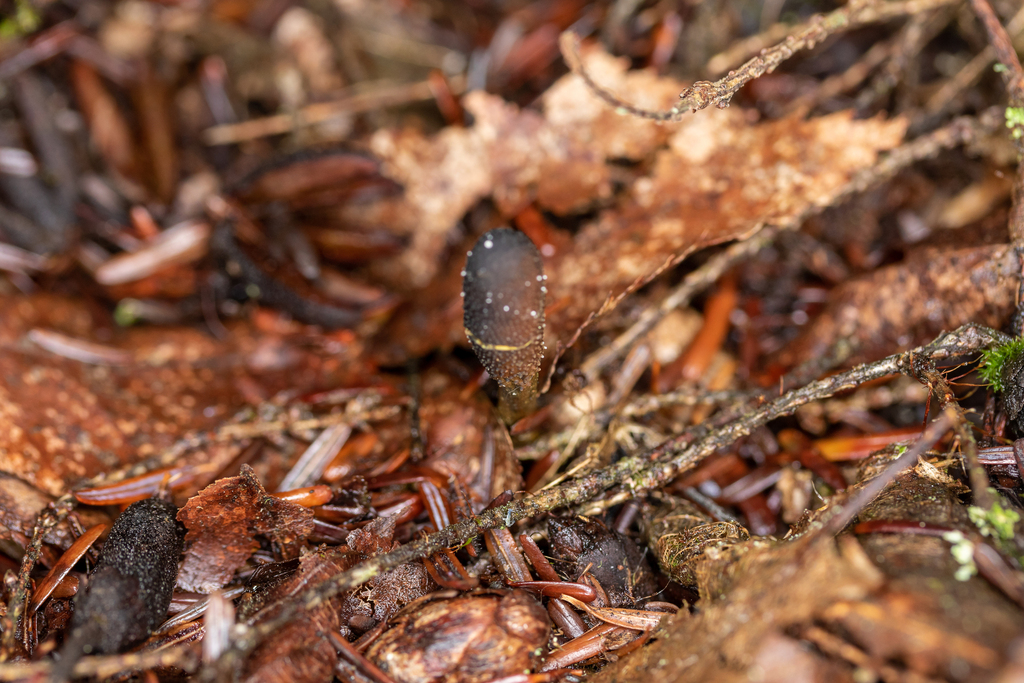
[(1013, 76), (702, 94), (50, 517), (845, 514), (917, 33), (181, 656), (642, 472), (376, 96), (958, 132), (969, 75)]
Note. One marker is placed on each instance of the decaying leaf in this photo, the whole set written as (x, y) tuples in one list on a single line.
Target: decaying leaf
[(223, 521), (300, 652), (21, 503), (65, 420), (772, 589), (465, 437), (721, 177), (904, 305), (586, 545)]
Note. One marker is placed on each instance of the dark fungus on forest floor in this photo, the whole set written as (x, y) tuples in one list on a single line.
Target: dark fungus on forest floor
[(503, 290), (128, 592)]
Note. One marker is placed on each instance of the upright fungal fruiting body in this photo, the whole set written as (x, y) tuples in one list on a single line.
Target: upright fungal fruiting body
[(128, 592), (503, 288)]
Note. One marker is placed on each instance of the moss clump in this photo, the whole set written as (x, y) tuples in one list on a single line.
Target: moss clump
[(1015, 121), (1003, 368), (995, 361), (998, 523), (23, 21)]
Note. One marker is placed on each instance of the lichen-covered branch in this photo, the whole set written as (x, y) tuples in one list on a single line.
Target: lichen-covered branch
[(642, 472)]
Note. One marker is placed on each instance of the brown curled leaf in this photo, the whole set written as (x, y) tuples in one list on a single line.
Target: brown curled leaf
[(223, 520), (720, 178)]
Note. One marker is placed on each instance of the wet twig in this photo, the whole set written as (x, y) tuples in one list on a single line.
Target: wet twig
[(952, 90), (867, 493), (48, 518), (182, 657)]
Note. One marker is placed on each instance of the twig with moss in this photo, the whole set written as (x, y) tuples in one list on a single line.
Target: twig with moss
[(643, 472)]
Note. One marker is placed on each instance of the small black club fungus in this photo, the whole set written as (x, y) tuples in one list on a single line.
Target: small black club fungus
[(503, 288), (128, 592)]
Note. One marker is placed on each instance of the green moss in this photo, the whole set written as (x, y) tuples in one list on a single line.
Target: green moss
[(998, 522), (1015, 121), (994, 360), (963, 553), (21, 22)]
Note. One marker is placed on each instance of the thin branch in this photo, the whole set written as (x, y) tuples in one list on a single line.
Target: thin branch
[(971, 73), (702, 94), (1000, 41), (1013, 76), (958, 132), (181, 656), (638, 473), (48, 518), (371, 97), (845, 514)]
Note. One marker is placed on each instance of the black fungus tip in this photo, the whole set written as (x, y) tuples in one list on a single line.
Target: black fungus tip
[(503, 290), (128, 593)]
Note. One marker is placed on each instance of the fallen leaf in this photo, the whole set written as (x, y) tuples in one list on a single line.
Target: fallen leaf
[(223, 521)]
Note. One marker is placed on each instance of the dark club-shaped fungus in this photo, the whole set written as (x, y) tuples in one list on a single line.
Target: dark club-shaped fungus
[(503, 290), (128, 592)]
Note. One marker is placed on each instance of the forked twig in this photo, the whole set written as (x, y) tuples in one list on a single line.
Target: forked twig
[(638, 473)]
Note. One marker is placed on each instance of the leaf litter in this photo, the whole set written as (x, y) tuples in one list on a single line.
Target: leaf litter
[(224, 386)]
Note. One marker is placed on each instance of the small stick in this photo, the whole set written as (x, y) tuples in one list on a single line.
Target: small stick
[(50, 517), (641, 472), (1001, 43), (704, 93), (845, 514), (1013, 76), (374, 96), (957, 132), (971, 73)]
